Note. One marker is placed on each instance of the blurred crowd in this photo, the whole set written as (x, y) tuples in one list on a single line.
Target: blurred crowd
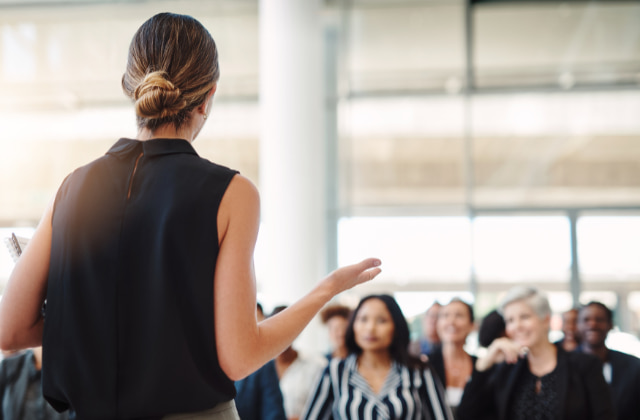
[(371, 369)]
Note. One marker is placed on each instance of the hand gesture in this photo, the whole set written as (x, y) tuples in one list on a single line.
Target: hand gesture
[(344, 278), (501, 350)]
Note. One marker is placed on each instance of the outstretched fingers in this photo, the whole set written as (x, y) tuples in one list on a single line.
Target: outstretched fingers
[(352, 275), (370, 268)]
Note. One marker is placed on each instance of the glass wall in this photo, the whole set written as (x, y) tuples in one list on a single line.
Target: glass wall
[(518, 118), (481, 144)]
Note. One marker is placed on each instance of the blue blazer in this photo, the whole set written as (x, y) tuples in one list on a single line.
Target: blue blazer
[(258, 395)]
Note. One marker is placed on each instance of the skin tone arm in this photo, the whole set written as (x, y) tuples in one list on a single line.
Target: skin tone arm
[(243, 344), (501, 350), (21, 321)]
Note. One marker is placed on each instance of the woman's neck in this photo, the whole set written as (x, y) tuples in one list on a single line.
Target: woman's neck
[(458, 365), (284, 360), (167, 131), (375, 359), (454, 351), (340, 352), (543, 358), (602, 352)]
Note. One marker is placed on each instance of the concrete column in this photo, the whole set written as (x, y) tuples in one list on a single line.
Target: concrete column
[(292, 151)]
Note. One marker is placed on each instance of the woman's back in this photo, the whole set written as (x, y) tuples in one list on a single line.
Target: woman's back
[(139, 227)]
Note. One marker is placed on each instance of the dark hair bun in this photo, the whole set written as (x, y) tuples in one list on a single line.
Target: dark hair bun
[(157, 97)]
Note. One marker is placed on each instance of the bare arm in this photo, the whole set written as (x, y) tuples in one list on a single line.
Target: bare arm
[(21, 320), (243, 345), (501, 350)]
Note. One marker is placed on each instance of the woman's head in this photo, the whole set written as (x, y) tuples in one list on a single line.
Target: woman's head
[(455, 322), (336, 318), (171, 69), (379, 322), (527, 316), (537, 301)]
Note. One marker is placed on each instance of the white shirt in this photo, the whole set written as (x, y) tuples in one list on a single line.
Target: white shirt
[(297, 383)]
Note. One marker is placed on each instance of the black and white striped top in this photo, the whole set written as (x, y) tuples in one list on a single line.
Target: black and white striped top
[(407, 394)]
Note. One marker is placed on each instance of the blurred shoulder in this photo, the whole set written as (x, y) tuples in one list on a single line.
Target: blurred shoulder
[(12, 364), (313, 361), (625, 359), (581, 360)]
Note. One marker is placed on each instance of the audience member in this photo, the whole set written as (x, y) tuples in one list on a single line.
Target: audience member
[(571, 339), (336, 318), (21, 388), (258, 396), (379, 379), (297, 373), (525, 376), (450, 361), (620, 370), (491, 328), (429, 339)]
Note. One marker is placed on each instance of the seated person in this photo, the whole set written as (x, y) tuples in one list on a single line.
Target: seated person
[(621, 370), (258, 396), (571, 340), (21, 388), (525, 376), (297, 373), (451, 362), (429, 340), (336, 318)]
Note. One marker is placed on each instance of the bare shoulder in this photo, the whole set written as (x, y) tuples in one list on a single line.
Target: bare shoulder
[(240, 207), (240, 190)]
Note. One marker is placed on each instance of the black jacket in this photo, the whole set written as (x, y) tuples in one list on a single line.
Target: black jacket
[(625, 384), (583, 392)]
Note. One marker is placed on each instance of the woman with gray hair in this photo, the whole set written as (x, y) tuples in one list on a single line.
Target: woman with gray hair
[(525, 376)]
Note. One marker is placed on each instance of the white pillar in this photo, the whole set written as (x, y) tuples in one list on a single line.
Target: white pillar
[(292, 152)]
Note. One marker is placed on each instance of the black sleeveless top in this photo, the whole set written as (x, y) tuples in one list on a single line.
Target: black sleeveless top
[(129, 326)]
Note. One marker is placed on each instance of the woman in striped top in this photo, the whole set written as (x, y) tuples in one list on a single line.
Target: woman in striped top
[(378, 380)]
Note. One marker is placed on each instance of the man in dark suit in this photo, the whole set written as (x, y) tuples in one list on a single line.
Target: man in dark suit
[(621, 370)]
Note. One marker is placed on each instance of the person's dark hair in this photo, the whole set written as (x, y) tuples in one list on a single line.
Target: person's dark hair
[(467, 305), (278, 309), (607, 311), (335, 310), (491, 327), (400, 343), (171, 67)]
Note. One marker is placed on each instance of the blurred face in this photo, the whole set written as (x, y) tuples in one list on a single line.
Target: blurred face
[(524, 326), (454, 323), (337, 327), (593, 326), (570, 325), (430, 324), (373, 327)]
